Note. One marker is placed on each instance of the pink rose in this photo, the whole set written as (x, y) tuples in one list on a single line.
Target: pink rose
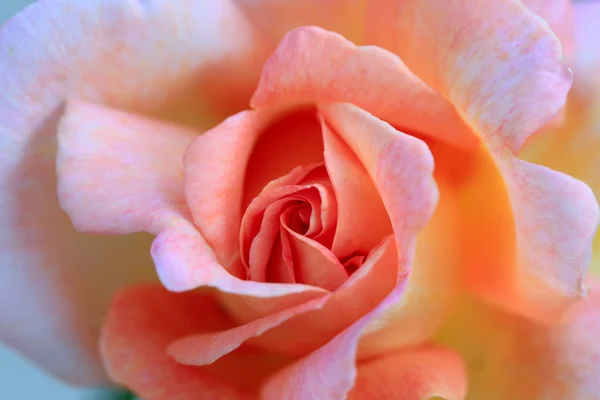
[(343, 199)]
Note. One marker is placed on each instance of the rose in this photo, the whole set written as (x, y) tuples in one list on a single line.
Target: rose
[(529, 215)]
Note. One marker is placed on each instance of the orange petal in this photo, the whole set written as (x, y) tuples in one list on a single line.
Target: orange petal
[(511, 357), (362, 219), (401, 167), (507, 84), (330, 371), (358, 295), (119, 173), (339, 71), (94, 51), (143, 321), (229, 165), (420, 373)]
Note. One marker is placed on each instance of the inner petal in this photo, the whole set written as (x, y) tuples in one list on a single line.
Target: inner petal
[(313, 263)]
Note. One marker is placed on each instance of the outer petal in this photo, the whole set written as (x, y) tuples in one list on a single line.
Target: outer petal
[(94, 50), (421, 373), (118, 173), (559, 16), (401, 168), (511, 357), (573, 147), (314, 65), (330, 371), (141, 324), (505, 72)]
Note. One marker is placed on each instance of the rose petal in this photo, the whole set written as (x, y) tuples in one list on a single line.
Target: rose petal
[(141, 324), (276, 18), (402, 169), (120, 173), (314, 264), (330, 371), (206, 348), (559, 15), (142, 56), (229, 165), (361, 292), (573, 147), (362, 219), (507, 82), (421, 373), (336, 70), (512, 357)]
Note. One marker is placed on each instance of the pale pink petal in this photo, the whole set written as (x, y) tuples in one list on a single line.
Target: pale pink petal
[(229, 165), (362, 218), (401, 168), (312, 65), (184, 261), (144, 320), (509, 357), (587, 51), (559, 16), (504, 70), (172, 59), (330, 371), (420, 373), (120, 173)]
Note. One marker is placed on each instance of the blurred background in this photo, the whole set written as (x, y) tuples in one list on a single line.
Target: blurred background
[(19, 378)]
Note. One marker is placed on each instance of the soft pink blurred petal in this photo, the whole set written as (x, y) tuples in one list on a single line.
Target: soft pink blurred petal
[(178, 60), (359, 294), (559, 15), (419, 373), (507, 83), (512, 357), (120, 173), (369, 77)]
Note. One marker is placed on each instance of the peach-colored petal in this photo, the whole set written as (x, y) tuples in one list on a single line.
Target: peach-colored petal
[(361, 292), (313, 263), (330, 371), (362, 219), (143, 321), (138, 55), (220, 167), (401, 167), (559, 15), (120, 173), (276, 17), (511, 357), (184, 261), (507, 83), (206, 348), (312, 65), (420, 373)]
